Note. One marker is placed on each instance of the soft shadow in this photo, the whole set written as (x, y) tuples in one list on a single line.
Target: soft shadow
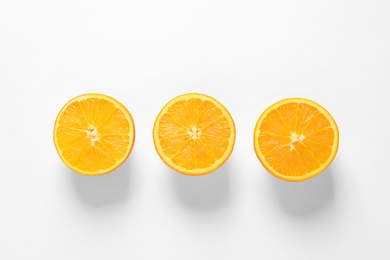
[(307, 197), (205, 192), (109, 189)]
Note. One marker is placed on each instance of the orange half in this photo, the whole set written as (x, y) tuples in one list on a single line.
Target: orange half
[(194, 134), (94, 134), (296, 139)]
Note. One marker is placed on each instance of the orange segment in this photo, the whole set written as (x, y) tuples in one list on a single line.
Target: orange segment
[(194, 134), (94, 134), (296, 139)]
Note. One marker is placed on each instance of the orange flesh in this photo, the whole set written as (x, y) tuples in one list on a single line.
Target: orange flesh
[(296, 139), (94, 134), (194, 134)]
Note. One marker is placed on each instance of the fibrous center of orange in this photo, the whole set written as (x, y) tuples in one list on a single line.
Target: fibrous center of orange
[(296, 138), (194, 132), (92, 134)]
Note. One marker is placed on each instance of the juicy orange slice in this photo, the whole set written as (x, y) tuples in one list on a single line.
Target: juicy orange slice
[(194, 134), (296, 139), (94, 134)]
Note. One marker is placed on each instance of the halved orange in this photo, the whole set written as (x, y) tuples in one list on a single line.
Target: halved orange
[(94, 134), (296, 139), (194, 134)]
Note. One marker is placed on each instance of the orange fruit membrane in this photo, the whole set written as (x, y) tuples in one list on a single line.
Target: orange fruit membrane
[(296, 139), (194, 134), (94, 134)]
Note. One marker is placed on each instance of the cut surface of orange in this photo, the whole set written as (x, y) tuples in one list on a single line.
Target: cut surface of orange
[(194, 134), (296, 139), (94, 134)]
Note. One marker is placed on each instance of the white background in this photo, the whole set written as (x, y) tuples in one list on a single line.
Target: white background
[(247, 54)]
